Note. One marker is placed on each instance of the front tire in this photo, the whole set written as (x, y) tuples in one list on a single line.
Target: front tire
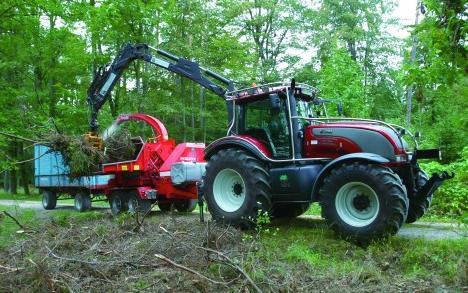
[(419, 206), (364, 202), (236, 187), (49, 199), (82, 201)]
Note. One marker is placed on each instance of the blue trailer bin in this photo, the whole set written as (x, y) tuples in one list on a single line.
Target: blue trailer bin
[(51, 177)]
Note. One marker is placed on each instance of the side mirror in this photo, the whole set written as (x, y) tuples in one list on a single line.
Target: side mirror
[(339, 108), (275, 102)]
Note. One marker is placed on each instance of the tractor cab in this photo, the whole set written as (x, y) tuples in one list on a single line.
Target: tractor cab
[(267, 116)]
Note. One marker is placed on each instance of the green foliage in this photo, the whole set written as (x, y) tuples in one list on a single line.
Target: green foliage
[(49, 50), (341, 79), (451, 199), (439, 76)]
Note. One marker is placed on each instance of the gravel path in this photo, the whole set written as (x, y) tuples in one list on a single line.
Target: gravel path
[(428, 230)]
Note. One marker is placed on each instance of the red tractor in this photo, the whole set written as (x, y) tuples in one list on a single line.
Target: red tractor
[(279, 157)]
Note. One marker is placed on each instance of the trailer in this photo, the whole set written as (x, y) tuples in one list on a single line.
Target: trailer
[(161, 173), (51, 177)]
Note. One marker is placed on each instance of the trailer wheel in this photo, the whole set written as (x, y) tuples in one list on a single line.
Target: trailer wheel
[(186, 205), (236, 188), (364, 202), (82, 201), (49, 199), (419, 206), (118, 203), (165, 207), (138, 205), (289, 210)]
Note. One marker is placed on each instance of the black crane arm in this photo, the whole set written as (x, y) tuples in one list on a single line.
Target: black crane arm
[(106, 78)]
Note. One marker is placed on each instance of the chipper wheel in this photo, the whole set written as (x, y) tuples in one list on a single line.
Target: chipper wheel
[(138, 205), (418, 206), (186, 205), (236, 187), (165, 207), (364, 202), (49, 199), (118, 202), (82, 201)]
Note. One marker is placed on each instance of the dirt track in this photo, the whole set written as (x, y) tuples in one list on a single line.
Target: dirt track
[(428, 230)]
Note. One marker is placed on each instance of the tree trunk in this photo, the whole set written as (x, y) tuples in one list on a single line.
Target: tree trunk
[(24, 169), (410, 89), (182, 93), (202, 113), (6, 181), (352, 49), (13, 185)]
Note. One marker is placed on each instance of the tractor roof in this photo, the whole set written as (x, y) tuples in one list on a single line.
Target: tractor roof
[(301, 91)]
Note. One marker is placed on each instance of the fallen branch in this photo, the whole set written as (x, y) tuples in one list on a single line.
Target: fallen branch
[(232, 264), (162, 257), (10, 269), (225, 257), (15, 220)]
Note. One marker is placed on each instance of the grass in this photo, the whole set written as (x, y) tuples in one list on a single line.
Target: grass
[(34, 196), (315, 246), (286, 254), (9, 229)]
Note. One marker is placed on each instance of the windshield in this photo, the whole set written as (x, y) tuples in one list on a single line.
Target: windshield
[(304, 109)]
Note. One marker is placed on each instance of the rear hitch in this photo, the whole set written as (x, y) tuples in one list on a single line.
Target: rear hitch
[(434, 182)]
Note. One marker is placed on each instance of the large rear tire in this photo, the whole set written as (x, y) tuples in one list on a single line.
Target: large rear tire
[(82, 201), (289, 210), (49, 199), (419, 206), (364, 202), (236, 187)]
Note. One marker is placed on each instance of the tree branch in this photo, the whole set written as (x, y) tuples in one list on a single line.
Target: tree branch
[(162, 257)]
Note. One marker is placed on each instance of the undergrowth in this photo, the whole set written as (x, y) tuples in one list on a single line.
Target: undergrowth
[(96, 251), (451, 199)]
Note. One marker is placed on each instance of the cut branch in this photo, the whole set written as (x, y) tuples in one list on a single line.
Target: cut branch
[(169, 261)]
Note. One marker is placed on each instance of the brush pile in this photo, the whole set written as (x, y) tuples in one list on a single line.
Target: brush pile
[(82, 158), (119, 146)]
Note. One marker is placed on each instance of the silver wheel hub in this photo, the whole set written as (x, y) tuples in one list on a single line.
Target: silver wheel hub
[(357, 204), (229, 190)]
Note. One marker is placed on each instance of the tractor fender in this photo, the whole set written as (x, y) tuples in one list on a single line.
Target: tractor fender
[(234, 142), (354, 157)]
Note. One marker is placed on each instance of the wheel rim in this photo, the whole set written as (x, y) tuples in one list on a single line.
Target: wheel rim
[(78, 202), (357, 204), (229, 190), (116, 204), (45, 201), (132, 205)]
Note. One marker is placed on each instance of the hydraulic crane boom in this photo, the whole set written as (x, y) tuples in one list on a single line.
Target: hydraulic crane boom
[(106, 78)]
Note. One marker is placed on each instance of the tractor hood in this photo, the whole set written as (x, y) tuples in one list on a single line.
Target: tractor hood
[(334, 139)]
